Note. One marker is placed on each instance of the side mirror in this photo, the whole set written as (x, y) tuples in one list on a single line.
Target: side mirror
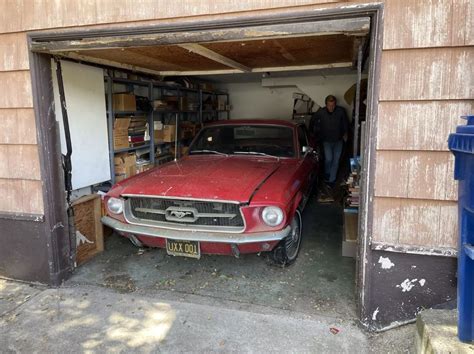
[(307, 149)]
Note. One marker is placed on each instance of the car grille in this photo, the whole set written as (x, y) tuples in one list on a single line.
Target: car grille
[(184, 214)]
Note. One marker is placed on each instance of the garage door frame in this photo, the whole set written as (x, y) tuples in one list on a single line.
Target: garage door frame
[(56, 234)]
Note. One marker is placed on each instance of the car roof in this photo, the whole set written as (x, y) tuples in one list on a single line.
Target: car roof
[(281, 122)]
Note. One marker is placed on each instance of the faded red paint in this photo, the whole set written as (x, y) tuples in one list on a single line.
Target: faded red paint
[(253, 181)]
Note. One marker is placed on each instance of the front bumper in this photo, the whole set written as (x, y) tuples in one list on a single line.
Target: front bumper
[(201, 236)]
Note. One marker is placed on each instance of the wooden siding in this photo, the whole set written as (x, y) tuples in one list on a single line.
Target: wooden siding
[(428, 23), (415, 222), (419, 125), (414, 175), (21, 196), (17, 89), (18, 126), (16, 16), (13, 52), (427, 74)]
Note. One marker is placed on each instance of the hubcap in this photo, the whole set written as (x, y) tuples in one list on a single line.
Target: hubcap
[(293, 241)]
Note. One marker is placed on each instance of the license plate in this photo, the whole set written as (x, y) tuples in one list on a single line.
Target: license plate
[(183, 248)]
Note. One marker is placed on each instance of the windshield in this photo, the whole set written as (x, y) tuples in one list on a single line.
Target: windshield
[(245, 139)]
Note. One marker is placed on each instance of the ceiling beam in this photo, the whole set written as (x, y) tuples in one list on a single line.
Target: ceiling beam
[(210, 54), (257, 70)]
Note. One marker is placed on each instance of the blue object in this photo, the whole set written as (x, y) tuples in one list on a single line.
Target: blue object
[(461, 144)]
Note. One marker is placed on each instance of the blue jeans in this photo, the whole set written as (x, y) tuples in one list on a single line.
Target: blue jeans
[(332, 154)]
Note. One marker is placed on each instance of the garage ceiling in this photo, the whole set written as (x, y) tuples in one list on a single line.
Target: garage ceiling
[(309, 46)]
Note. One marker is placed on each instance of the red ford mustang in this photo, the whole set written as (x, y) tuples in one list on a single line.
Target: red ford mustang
[(241, 189)]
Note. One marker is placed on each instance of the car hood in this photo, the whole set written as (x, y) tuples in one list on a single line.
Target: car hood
[(232, 178)]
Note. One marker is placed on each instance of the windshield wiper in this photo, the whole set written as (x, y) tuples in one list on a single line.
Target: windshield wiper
[(255, 153), (209, 152)]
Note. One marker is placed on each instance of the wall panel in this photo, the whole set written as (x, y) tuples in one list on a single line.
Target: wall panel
[(13, 52), (21, 196), (18, 126), (17, 89)]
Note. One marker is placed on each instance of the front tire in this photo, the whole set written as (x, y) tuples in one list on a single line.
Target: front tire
[(286, 252)]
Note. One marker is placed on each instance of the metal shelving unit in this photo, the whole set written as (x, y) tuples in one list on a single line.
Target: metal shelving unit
[(166, 116)]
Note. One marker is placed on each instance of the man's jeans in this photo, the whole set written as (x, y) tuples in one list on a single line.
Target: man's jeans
[(332, 154)]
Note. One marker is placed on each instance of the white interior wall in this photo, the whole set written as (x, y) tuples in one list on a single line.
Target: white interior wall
[(273, 97)]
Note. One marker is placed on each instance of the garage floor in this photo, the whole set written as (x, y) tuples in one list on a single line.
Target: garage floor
[(320, 282)]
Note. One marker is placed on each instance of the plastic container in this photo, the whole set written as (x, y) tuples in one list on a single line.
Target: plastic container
[(461, 144)]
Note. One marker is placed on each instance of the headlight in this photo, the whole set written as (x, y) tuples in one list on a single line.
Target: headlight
[(115, 205), (272, 216)]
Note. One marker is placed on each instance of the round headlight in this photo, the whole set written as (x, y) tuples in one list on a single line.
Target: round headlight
[(115, 205), (272, 216)]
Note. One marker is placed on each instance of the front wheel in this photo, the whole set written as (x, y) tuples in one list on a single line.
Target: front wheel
[(287, 250)]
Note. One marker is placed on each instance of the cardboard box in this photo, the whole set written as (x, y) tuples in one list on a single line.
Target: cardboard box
[(121, 133), (89, 232), (124, 102), (125, 166), (351, 225), (169, 133), (144, 167)]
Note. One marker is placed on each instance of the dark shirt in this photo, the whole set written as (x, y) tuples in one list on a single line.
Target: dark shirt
[(330, 127)]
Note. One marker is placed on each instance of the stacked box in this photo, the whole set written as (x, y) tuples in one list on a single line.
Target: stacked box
[(167, 134), (125, 166), (121, 133), (124, 102)]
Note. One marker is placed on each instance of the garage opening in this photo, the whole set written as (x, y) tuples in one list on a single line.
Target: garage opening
[(129, 107)]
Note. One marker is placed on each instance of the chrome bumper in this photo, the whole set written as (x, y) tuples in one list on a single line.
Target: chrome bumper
[(196, 235)]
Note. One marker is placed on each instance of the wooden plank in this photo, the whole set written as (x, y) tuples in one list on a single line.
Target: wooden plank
[(427, 175), (14, 52), (419, 125), (448, 225), (207, 53), (426, 74), (420, 224), (22, 162), (391, 174), (463, 17), (17, 92), (417, 24), (414, 174), (18, 126), (386, 227), (21, 196), (16, 16)]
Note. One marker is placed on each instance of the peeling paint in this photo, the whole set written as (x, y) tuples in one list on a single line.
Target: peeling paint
[(386, 263), (407, 285), (374, 315), (422, 282)]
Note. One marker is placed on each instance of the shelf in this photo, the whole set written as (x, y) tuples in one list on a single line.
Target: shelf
[(174, 111), (129, 82), (129, 113), (133, 148)]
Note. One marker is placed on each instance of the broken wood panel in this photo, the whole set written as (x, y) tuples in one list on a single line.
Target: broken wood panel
[(426, 74), (414, 174), (420, 224), (19, 162), (287, 51), (17, 16), (18, 126), (13, 52), (21, 196), (417, 24), (419, 125), (386, 226), (463, 17), (17, 89)]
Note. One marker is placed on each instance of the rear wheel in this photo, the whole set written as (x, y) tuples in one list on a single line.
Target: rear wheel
[(287, 250)]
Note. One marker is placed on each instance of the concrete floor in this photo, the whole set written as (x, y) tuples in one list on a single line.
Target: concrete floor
[(320, 282), (127, 300)]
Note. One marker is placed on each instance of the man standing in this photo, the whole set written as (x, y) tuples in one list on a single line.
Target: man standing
[(330, 125)]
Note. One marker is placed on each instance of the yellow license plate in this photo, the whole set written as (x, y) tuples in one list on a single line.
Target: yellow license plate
[(183, 248)]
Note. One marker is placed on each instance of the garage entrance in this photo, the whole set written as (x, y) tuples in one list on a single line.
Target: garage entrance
[(215, 72)]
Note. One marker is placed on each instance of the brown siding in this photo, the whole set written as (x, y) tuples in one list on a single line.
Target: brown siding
[(428, 23), (21, 196), (13, 52), (18, 126), (427, 74), (17, 92), (415, 222)]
